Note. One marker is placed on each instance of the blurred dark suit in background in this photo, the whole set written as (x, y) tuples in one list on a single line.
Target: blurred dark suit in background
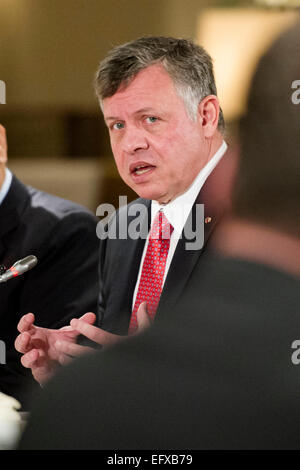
[(63, 285)]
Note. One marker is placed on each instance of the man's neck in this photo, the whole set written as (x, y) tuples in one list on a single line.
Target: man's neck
[(216, 144), (244, 239), (212, 147)]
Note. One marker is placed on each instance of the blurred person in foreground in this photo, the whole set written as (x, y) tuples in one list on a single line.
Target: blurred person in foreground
[(159, 102), (63, 284), (223, 373)]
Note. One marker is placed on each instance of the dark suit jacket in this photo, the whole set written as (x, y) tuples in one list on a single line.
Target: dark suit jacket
[(219, 375), (62, 235), (120, 255)]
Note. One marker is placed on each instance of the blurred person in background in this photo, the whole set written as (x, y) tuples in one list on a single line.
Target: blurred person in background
[(63, 284), (224, 372)]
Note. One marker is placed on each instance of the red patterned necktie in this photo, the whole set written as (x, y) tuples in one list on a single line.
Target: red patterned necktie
[(151, 281)]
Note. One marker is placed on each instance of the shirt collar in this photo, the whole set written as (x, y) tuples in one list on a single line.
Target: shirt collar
[(6, 185), (177, 211)]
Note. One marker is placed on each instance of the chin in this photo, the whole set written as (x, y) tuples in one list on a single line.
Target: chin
[(147, 193)]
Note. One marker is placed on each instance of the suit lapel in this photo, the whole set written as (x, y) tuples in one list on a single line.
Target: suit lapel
[(182, 265), (215, 199), (10, 211)]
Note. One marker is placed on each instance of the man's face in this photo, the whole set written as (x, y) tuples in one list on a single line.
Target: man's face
[(158, 149)]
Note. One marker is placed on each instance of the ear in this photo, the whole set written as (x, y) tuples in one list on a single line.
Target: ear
[(208, 115), (3, 145)]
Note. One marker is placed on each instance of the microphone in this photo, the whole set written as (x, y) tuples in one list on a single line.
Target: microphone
[(20, 267)]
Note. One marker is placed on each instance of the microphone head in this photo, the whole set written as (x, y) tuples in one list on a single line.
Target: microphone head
[(25, 264), (20, 267)]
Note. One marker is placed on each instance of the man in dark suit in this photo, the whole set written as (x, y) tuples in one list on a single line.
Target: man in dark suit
[(62, 235), (158, 98), (224, 373)]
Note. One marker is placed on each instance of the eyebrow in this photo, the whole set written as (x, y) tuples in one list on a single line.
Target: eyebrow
[(139, 111)]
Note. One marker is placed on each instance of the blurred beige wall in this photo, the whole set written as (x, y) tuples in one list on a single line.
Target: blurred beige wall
[(49, 49)]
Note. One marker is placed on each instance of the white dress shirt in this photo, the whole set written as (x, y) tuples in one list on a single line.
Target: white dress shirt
[(6, 185), (177, 211)]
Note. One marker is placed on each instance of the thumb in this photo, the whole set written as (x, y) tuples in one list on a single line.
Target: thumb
[(143, 318), (89, 317)]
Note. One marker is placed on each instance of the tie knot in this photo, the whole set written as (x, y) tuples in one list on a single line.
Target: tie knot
[(161, 228)]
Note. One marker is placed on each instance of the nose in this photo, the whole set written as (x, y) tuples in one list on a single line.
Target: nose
[(134, 139)]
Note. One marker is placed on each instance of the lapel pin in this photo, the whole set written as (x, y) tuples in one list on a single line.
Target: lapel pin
[(207, 220)]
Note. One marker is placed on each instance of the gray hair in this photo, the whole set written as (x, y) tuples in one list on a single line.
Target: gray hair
[(188, 64)]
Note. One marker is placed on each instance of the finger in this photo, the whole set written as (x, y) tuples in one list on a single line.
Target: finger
[(143, 318), (88, 317), (22, 342), (26, 322), (72, 349), (94, 333), (29, 360)]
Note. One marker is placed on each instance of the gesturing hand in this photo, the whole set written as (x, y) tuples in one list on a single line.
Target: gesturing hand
[(40, 346), (44, 349), (97, 335)]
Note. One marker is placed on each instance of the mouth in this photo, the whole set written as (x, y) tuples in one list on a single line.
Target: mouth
[(140, 168)]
